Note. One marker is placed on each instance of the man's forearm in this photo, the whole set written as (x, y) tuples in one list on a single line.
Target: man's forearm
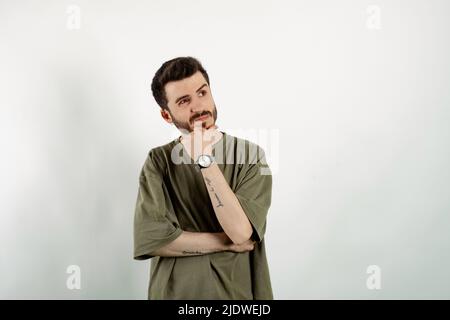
[(228, 210), (194, 244)]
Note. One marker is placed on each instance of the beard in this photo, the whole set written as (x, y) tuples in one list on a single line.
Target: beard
[(188, 126)]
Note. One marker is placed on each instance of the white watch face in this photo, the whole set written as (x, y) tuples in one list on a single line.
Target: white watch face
[(204, 161)]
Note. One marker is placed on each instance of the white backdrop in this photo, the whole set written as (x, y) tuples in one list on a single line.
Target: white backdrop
[(358, 91)]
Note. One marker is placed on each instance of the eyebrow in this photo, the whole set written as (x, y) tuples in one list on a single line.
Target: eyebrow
[(186, 95)]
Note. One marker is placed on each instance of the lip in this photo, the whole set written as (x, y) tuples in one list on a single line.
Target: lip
[(202, 118)]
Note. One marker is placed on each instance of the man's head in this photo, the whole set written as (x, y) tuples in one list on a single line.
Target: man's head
[(181, 89)]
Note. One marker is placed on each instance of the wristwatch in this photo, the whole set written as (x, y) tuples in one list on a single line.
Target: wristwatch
[(205, 160)]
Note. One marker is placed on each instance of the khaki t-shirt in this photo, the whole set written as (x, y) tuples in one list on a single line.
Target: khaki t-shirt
[(173, 197)]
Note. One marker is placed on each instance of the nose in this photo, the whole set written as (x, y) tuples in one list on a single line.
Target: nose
[(196, 107)]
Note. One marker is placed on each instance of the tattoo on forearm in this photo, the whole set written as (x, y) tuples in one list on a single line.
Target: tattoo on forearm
[(220, 202), (192, 252), (208, 182)]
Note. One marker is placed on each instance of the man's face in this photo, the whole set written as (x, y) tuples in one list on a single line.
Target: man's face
[(189, 101)]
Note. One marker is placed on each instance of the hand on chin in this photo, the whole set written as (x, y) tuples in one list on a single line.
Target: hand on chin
[(201, 139)]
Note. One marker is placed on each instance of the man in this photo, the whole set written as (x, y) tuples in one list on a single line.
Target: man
[(203, 199)]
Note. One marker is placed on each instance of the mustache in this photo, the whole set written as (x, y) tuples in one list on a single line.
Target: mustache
[(198, 115)]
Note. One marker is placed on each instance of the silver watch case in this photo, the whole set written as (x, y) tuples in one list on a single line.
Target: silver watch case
[(205, 161)]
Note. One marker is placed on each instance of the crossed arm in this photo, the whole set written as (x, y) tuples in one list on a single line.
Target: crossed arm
[(200, 243), (231, 216)]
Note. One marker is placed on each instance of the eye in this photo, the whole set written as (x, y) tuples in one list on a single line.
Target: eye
[(182, 101), (202, 93)]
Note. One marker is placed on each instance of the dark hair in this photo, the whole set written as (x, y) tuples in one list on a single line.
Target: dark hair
[(173, 70)]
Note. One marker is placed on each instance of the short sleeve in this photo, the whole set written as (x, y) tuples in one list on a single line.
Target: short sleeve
[(254, 193), (155, 223)]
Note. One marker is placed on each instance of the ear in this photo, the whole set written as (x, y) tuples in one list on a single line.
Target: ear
[(166, 115)]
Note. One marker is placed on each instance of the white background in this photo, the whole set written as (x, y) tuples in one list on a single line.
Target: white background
[(362, 111)]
